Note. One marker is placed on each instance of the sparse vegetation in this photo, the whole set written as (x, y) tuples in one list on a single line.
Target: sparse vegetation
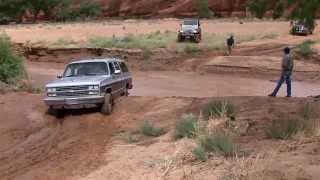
[(200, 154), (218, 142), (129, 137), (63, 42), (147, 41), (283, 129), (148, 129), (305, 49), (191, 49), (309, 115), (219, 109), (186, 127)]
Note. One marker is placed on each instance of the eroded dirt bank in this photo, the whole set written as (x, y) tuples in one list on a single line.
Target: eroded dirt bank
[(87, 145)]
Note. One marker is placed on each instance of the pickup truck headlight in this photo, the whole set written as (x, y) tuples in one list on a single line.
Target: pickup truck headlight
[(94, 87), (180, 31), (195, 31), (50, 90), (93, 93), (52, 94)]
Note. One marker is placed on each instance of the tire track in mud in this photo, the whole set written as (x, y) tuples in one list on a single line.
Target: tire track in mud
[(75, 145), (57, 143)]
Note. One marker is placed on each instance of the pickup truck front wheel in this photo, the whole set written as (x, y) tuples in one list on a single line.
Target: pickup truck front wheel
[(106, 108)]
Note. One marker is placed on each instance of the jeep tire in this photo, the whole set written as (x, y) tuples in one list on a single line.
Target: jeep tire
[(180, 38), (106, 107), (197, 38)]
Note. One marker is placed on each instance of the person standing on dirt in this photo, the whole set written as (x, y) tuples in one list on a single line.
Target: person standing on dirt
[(287, 68), (230, 44)]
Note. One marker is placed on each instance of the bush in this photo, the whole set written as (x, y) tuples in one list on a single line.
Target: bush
[(218, 143), (11, 65), (200, 154), (149, 129), (186, 127), (202, 6), (258, 7), (305, 48), (90, 9), (219, 109), (283, 129)]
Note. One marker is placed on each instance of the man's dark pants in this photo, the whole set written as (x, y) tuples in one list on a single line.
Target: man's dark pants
[(285, 76)]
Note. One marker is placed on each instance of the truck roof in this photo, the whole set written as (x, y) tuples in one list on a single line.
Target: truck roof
[(96, 60)]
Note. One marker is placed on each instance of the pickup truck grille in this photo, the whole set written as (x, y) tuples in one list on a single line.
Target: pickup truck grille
[(72, 91)]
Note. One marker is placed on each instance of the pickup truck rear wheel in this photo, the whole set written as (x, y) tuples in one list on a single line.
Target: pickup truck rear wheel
[(106, 108)]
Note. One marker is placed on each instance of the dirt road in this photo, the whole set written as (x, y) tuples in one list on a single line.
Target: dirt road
[(185, 84)]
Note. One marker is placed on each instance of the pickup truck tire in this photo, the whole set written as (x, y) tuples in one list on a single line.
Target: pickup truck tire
[(55, 112), (126, 92), (106, 108)]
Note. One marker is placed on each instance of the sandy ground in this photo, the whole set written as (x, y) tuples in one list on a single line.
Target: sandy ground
[(85, 145), (80, 32)]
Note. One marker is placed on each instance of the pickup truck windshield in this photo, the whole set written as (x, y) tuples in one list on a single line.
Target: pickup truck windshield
[(86, 69), (190, 22)]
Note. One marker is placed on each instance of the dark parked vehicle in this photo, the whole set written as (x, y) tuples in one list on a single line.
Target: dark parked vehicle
[(190, 29), (301, 28), (89, 83)]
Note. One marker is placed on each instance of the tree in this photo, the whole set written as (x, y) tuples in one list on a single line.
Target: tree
[(306, 11)]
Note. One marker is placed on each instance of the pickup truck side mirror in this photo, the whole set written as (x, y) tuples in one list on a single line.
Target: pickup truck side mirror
[(59, 76), (117, 72)]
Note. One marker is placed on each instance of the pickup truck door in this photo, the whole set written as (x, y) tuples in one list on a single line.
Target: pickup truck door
[(117, 79), (126, 75)]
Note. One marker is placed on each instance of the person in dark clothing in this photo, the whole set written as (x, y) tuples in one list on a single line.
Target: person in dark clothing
[(230, 44), (287, 68)]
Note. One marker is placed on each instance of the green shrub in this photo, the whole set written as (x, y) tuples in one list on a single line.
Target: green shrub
[(186, 127), (283, 129), (219, 109), (191, 49), (218, 143), (11, 65), (149, 129), (305, 49), (258, 7), (203, 9), (200, 154), (90, 9)]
